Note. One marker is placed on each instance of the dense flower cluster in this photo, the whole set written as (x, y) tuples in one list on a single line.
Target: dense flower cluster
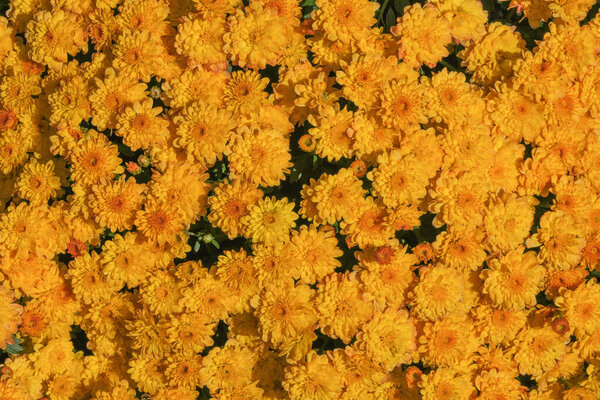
[(274, 200)]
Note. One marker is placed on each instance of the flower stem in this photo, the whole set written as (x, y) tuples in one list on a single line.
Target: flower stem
[(448, 65), (381, 10)]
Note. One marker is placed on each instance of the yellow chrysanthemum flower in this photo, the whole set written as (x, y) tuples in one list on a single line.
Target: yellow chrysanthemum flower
[(69, 102), (515, 114), (136, 55), (580, 307), (261, 157), (342, 307), (204, 130), (245, 92), (244, 42), (159, 221), (467, 18), (112, 95), (336, 197), (399, 179), (514, 279), (447, 342), (316, 378), (507, 221), (240, 275), (446, 383), (53, 36), (333, 134), (363, 77), (38, 182), (190, 333), (460, 249), (141, 126), (345, 20), (195, 85), (493, 56), (270, 220), (441, 292), (423, 33), (402, 105), (16, 91), (143, 15), (315, 94), (386, 273), (389, 338), (449, 97), (560, 239), (201, 41), (115, 205), (95, 161), (161, 293), (274, 264), (538, 350), (369, 227), (458, 200), (89, 284), (229, 204), (498, 326), (209, 296), (285, 313), (316, 253)]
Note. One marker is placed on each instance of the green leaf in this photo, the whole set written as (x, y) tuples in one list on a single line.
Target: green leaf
[(196, 247), (417, 231), (488, 5), (399, 6), (215, 243), (125, 150), (15, 347), (381, 10), (308, 3), (390, 18), (593, 274)]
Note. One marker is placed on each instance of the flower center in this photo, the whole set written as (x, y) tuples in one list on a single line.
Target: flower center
[(270, 219)]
